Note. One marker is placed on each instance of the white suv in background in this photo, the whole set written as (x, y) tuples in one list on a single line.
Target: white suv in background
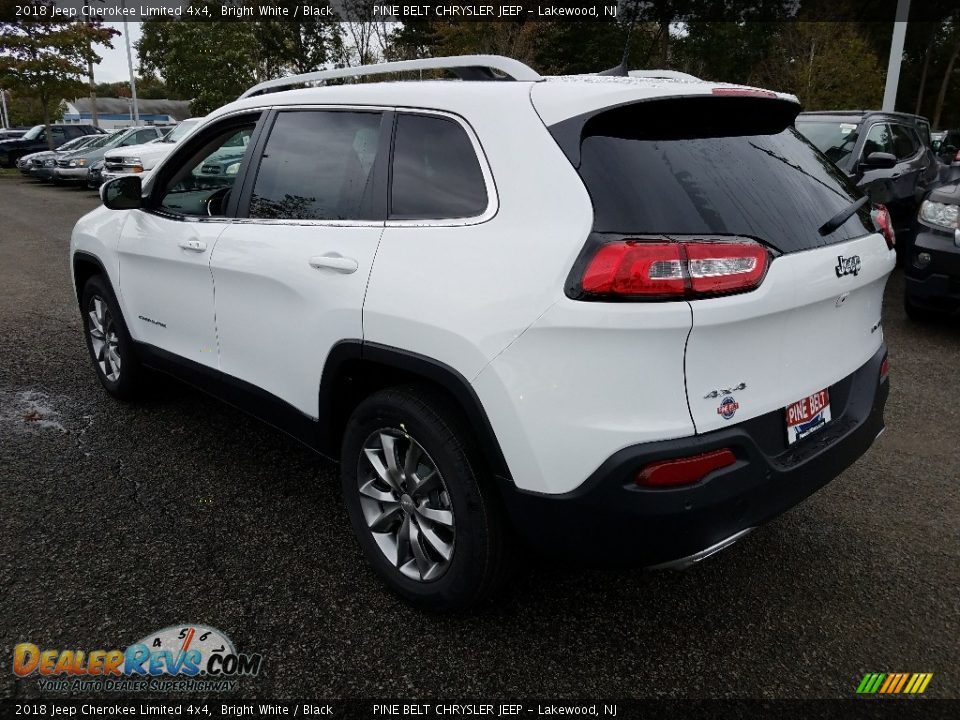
[(141, 159), (625, 318)]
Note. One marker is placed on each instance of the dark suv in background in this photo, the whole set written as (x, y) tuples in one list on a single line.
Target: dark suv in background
[(887, 154), (35, 140)]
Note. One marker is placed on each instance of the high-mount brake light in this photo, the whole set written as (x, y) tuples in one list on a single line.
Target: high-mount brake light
[(668, 270), (881, 218), (745, 92)]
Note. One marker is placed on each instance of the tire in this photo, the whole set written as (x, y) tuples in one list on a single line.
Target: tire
[(453, 517), (125, 381)]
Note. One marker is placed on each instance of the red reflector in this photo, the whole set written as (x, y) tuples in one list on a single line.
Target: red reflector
[(675, 269), (746, 92), (881, 218), (884, 369), (684, 471)]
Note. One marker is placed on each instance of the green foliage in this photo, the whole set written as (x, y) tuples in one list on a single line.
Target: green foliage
[(48, 60)]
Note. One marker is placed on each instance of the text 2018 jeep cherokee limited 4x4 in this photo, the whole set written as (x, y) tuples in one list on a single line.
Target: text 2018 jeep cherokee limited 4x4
[(623, 317)]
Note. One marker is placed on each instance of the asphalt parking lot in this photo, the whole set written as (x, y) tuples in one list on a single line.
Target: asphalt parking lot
[(118, 520)]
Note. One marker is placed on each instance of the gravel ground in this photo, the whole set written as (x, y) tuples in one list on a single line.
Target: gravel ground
[(118, 520)]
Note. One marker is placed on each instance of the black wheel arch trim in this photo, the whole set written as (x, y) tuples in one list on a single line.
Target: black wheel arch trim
[(83, 256), (347, 351)]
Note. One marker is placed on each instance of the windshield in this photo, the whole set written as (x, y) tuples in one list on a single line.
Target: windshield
[(33, 133), (179, 131), (834, 139), (75, 143), (104, 139)]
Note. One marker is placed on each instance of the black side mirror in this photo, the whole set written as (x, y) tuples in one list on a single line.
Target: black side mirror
[(879, 161), (122, 193)]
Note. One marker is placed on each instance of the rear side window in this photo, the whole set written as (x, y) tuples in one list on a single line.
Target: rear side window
[(318, 165), (905, 142), (436, 174), (713, 168)]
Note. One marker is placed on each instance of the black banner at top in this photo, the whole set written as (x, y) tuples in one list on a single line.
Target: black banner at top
[(488, 11)]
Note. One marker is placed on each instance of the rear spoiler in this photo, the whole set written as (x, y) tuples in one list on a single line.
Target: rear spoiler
[(727, 111)]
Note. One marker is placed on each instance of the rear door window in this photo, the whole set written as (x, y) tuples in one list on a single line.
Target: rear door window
[(319, 165), (436, 173), (661, 168), (905, 141)]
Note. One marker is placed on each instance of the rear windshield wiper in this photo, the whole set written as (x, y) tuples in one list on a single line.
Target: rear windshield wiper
[(841, 217)]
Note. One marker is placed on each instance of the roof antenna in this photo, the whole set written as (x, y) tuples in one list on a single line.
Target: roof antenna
[(623, 69)]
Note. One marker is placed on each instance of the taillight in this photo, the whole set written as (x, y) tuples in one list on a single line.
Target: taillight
[(674, 270), (881, 218), (684, 471), (884, 370)]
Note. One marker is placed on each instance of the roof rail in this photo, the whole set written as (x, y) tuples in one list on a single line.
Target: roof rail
[(466, 67), (664, 74)]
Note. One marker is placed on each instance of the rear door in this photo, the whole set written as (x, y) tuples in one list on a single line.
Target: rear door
[(291, 273), (815, 317)]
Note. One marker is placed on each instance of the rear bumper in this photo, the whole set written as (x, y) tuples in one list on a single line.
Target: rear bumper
[(936, 285), (610, 518)]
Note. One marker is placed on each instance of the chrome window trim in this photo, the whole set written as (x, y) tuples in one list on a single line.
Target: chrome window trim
[(493, 198)]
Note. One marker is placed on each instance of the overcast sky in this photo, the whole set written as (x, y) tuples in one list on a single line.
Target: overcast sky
[(113, 67)]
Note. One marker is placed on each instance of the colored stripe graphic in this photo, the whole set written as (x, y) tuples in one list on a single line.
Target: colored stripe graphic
[(894, 683)]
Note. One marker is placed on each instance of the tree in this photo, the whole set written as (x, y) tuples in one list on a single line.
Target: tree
[(184, 54), (828, 65), (48, 60)]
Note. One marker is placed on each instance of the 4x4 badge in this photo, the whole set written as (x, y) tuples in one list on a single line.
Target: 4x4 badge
[(847, 266)]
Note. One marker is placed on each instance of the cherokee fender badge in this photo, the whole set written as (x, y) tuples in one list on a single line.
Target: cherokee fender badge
[(847, 266)]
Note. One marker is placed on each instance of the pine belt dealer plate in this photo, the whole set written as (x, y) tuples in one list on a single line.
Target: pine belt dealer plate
[(808, 415)]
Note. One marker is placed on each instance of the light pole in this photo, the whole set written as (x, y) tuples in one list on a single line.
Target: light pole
[(93, 87), (4, 115), (896, 55), (133, 78)]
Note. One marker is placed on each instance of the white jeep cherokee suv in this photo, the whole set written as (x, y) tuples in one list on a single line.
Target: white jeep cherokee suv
[(627, 318)]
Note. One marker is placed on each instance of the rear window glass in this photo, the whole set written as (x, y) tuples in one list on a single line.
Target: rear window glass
[(436, 174), (836, 140), (654, 177)]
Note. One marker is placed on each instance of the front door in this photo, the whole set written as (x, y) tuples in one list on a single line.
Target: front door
[(165, 247)]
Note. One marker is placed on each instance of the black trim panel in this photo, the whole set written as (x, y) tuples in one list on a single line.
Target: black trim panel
[(344, 361), (240, 394)]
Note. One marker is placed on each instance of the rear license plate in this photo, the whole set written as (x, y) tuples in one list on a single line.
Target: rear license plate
[(807, 415)]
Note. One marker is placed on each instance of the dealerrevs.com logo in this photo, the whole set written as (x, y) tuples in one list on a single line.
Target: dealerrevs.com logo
[(180, 658)]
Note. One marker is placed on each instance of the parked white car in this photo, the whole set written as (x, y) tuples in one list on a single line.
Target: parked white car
[(625, 318), (141, 159)]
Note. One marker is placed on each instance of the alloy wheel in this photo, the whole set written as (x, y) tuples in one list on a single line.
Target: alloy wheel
[(104, 338), (406, 504)]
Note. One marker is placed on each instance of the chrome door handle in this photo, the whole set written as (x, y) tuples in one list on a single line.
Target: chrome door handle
[(334, 262), (193, 245)]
